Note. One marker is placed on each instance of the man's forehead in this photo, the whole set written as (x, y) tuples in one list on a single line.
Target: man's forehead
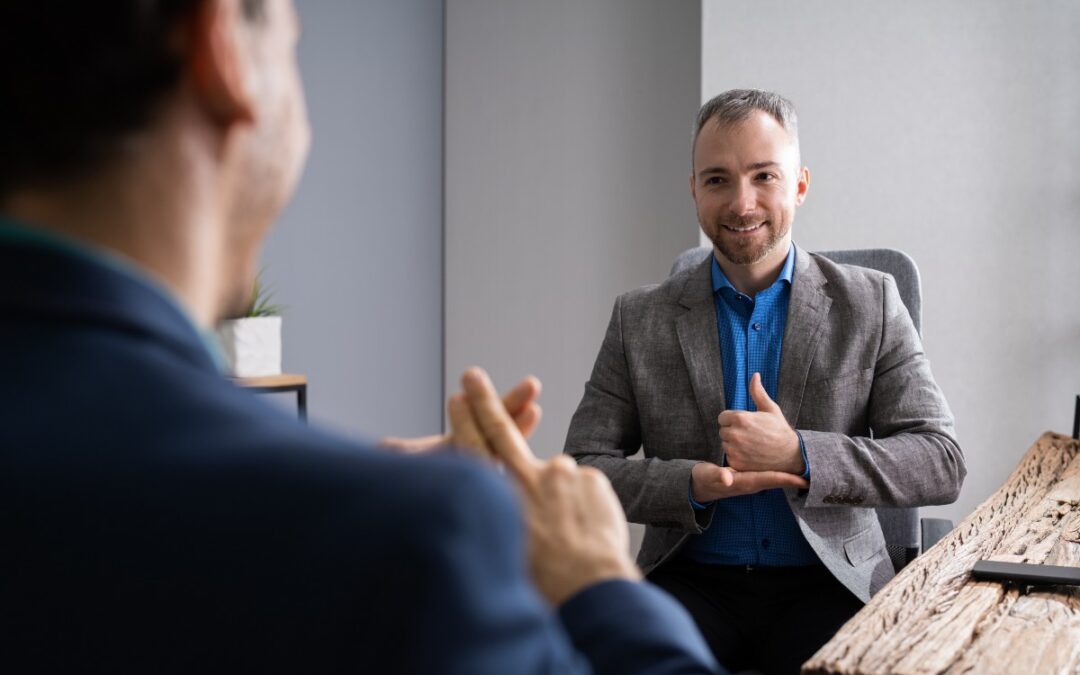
[(747, 144)]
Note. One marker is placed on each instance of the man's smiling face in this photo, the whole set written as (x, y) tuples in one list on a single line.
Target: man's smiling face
[(746, 185)]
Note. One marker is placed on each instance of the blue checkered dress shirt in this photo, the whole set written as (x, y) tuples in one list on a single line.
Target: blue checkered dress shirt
[(757, 529)]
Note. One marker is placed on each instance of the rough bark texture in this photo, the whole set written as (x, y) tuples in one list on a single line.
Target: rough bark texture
[(932, 618)]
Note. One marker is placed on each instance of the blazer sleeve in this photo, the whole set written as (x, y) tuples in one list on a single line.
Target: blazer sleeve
[(912, 458), (605, 431), (483, 615)]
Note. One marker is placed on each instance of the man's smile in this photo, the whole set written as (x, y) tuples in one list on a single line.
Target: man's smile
[(744, 229)]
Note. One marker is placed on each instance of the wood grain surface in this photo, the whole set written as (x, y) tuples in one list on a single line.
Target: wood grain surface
[(932, 618)]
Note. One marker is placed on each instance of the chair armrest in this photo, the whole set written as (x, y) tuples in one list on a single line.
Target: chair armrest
[(933, 529)]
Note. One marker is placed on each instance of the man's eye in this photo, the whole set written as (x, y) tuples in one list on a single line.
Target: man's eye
[(713, 180), (766, 176)]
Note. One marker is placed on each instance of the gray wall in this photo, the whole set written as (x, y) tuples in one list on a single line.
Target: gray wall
[(950, 130), (357, 256), (567, 128)]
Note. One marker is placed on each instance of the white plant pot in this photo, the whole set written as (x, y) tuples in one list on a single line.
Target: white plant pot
[(252, 346)]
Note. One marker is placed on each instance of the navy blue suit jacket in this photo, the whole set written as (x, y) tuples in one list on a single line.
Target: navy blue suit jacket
[(154, 518)]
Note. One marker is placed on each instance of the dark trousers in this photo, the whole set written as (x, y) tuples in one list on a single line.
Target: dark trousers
[(765, 619)]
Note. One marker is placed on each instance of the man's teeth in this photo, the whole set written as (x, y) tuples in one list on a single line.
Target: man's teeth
[(748, 228)]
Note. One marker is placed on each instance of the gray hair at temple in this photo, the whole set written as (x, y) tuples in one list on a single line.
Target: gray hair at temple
[(736, 105)]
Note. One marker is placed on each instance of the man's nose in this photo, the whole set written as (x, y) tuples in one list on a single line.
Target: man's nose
[(744, 200)]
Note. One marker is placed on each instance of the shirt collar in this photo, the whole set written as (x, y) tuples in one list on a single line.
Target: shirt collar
[(787, 273)]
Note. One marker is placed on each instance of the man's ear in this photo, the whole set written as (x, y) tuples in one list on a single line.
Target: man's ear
[(803, 186), (219, 65)]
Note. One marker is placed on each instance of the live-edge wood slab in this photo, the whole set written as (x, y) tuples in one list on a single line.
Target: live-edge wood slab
[(933, 618)]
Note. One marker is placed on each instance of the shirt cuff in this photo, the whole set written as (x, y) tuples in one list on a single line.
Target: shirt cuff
[(806, 461), (690, 495)]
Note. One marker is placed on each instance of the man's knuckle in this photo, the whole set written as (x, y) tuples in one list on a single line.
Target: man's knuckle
[(594, 478), (561, 465), (591, 472)]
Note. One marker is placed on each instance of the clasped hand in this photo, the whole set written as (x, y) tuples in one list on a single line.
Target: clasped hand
[(578, 534), (762, 452)]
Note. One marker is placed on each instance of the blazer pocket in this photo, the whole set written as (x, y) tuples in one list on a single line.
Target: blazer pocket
[(842, 380), (837, 403), (861, 547)]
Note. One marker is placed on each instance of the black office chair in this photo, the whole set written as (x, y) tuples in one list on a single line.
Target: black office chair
[(905, 534)]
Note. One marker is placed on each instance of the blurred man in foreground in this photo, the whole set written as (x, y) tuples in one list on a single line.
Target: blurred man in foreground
[(156, 519)]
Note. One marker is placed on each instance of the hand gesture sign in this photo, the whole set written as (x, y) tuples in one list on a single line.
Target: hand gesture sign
[(520, 403), (762, 452), (577, 531), (761, 440)]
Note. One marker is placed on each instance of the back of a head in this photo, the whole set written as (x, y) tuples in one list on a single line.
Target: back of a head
[(78, 77)]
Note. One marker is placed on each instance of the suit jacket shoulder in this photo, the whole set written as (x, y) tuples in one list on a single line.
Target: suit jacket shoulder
[(673, 291)]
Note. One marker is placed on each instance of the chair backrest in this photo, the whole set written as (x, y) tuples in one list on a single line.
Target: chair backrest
[(900, 526)]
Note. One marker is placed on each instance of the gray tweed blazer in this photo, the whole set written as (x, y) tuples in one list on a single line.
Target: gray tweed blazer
[(853, 380)]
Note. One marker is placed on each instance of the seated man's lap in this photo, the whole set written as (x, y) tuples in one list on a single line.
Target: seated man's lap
[(769, 620)]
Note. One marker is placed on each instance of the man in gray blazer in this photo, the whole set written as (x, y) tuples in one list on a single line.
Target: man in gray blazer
[(778, 398)]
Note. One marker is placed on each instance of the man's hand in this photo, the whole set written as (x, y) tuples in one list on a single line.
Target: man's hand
[(520, 403), (577, 531), (762, 440), (709, 482)]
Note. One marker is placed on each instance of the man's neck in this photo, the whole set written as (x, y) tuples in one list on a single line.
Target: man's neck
[(147, 217), (753, 278)]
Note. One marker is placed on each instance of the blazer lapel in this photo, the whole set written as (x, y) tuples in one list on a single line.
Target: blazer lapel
[(700, 343), (807, 311)]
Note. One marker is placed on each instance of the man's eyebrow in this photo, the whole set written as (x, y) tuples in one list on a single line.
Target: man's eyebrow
[(712, 170), (756, 166)]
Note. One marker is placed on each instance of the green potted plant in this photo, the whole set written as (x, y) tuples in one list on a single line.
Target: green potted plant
[(251, 343)]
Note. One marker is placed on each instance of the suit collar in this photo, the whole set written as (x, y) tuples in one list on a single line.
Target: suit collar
[(60, 284), (807, 270), (696, 290)]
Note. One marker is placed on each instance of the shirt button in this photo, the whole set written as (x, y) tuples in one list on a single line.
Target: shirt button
[(756, 326), (764, 543)]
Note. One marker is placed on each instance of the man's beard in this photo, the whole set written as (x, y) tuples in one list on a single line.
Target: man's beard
[(746, 250)]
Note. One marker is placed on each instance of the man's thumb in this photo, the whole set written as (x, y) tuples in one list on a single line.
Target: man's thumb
[(760, 396)]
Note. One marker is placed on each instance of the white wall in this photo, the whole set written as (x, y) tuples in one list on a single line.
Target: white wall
[(357, 256), (950, 130), (567, 133)]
